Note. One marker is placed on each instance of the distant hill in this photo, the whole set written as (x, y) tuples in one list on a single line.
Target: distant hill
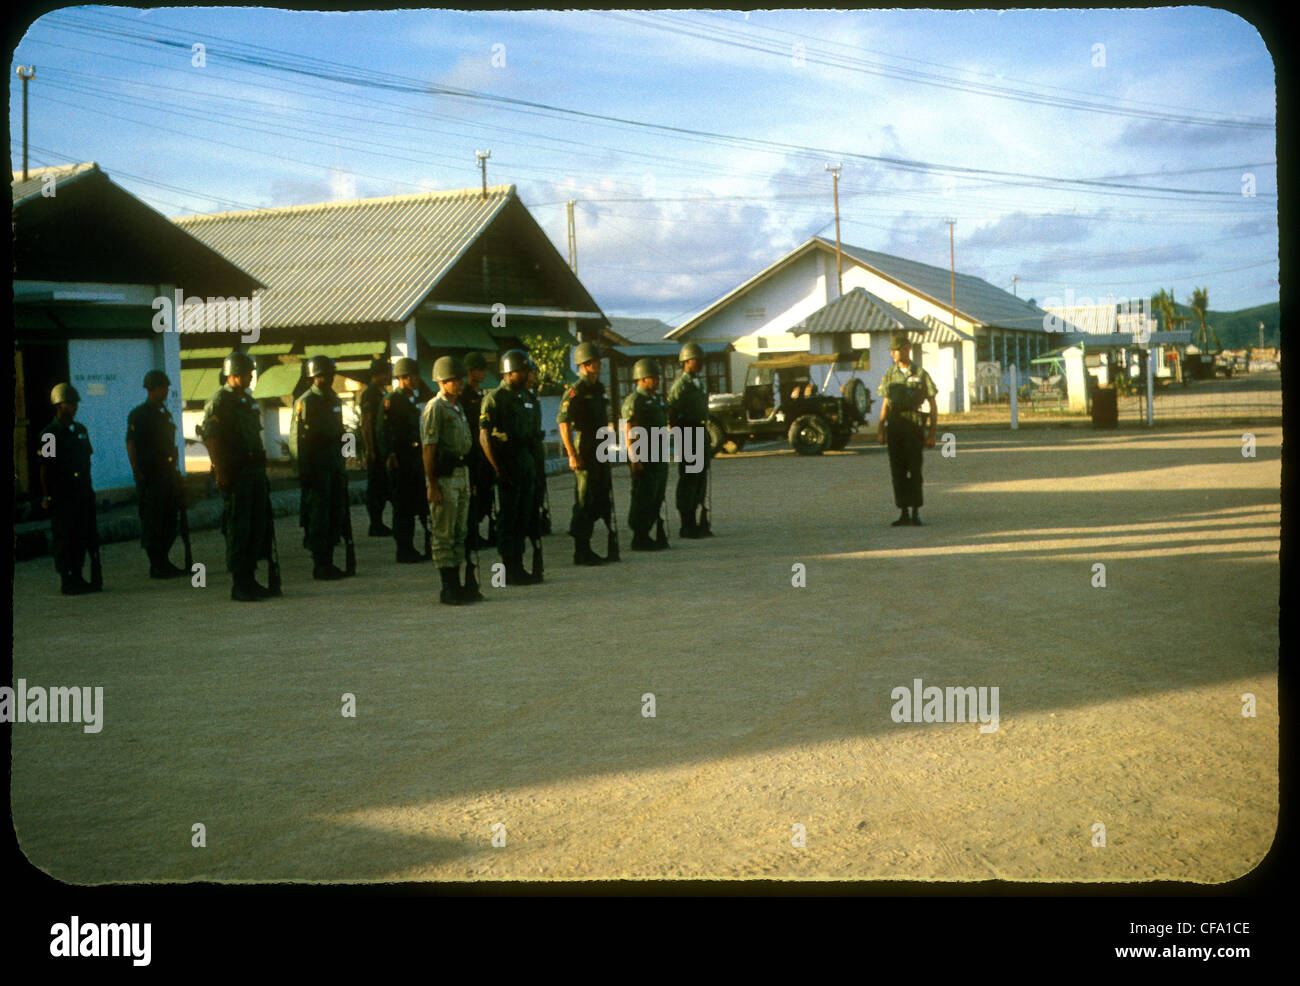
[(1239, 329)]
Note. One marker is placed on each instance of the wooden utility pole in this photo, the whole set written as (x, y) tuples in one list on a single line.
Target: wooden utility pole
[(573, 239), (952, 275), (30, 74), (482, 164), (1014, 278), (839, 256)]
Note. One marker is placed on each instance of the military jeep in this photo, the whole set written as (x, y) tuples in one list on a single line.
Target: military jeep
[(781, 400)]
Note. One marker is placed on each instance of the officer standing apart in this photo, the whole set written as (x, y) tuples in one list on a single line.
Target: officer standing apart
[(151, 447), (688, 407), (66, 490), (584, 411), (480, 473), (905, 388), (645, 409), (505, 437), (372, 403), (400, 441), (232, 432), (446, 437), (318, 430)]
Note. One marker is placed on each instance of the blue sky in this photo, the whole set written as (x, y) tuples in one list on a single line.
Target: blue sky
[(914, 104)]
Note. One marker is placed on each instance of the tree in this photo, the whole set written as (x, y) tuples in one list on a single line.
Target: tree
[(551, 354), (1201, 304), (1163, 302)]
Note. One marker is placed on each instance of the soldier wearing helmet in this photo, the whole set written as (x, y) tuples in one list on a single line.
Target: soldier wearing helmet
[(644, 410), (400, 442), (151, 447), (445, 435), (372, 404), (66, 490), (480, 473), (688, 407), (584, 410), (232, 432), (533, 405), (318, 432), (506, 437), (902, 426)]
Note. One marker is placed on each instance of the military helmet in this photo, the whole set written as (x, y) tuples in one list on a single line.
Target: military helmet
[(585, 352), (64, 393), (532, 364), (406, 367), (475, 361), (645, 367), (514, 361), (320, 366), (156, 378), (237, 364), (379, 365), (899, 340), (447, 368), (691, 350)]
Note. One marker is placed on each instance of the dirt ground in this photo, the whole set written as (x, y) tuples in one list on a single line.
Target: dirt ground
[(522, 717)]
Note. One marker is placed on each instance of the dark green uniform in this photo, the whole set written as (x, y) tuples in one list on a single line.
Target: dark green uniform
[(905, 425), (400, 436), (586, 409), (480, 473), (508, 425), (533, 408), (232, 428), (318, 426), (688, 407), (650, 482), (153, 431), (73, 529), (371, 403), (443, 426)]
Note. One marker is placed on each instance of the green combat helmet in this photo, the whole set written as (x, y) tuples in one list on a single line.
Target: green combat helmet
[(320, 366), (379, 365), (585, 353), (406, 367), (237, 364), (690, 351), (156, 378), (475, 361), (514, 361), (899, 340), (645, 367), (64, 393), (447, 368)]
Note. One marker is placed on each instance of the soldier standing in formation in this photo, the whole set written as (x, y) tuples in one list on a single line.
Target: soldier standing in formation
[(480, 473), (66, 490), (318, 430), (151, 447), (232, 432), (688, 407), (905, 388), (400, 440), (583, 412), (506, 439), (645, 409), (446, 437), (533, 405), (372, 403)]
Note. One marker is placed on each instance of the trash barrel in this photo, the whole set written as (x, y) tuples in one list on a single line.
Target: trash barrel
[(1105, 407)]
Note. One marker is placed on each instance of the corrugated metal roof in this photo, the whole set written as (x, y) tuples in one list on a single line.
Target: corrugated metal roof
[(369, 260), (63, 174), (977, 299), (942, 332), (858, 311)]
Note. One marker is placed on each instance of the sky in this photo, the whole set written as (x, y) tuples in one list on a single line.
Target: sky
[(1082, 154)]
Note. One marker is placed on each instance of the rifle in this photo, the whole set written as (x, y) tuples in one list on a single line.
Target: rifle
[(428, 534), (544, 524), (273, 550), (703, 527), (350, 549), (184, 524), (611, 521)]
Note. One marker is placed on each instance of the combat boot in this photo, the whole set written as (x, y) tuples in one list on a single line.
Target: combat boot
[(641, 541), (243, 590), (323, 568), (407, 555), (378, 529), (703, 529), (469, 591), (583, 555), (72, 584), (451, 588), (689, 530)]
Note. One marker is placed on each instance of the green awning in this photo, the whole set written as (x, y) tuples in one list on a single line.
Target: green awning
[(221, 352), (200, 384), (277, 381), (454, 331), (367, 348)]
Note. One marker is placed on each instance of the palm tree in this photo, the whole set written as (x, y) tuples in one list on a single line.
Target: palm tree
[(1201, 304)]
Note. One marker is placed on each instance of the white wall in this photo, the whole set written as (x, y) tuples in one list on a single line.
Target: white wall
[(108, 374)]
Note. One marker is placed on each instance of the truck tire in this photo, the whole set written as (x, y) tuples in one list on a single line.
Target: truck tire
[(839, 440), (810, 435), (857, 400), (717, 438)]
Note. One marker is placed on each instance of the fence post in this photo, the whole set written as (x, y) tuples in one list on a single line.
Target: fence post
[(1150, 390), (1015, 398)]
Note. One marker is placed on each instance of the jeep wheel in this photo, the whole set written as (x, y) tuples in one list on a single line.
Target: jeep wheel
[(810, 435), (733, 444), (717, 438), (839, 440), (857, 399)]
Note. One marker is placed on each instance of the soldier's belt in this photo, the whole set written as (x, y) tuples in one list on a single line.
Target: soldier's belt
[(445, 463)]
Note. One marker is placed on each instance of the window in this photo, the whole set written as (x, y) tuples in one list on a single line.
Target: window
[(715, 374)]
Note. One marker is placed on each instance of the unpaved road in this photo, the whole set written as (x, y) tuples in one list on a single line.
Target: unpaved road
[(1119, 707)]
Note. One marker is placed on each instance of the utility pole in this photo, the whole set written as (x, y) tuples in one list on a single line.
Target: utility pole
[(573, 239), (31, 74), (1014, 278), (839, 257), (952, 277), (482, 164)]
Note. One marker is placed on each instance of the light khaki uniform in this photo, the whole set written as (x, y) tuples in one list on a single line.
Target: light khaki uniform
[(443, 425)]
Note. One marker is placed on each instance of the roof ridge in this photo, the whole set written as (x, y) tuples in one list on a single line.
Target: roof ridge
[(494, 191)]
